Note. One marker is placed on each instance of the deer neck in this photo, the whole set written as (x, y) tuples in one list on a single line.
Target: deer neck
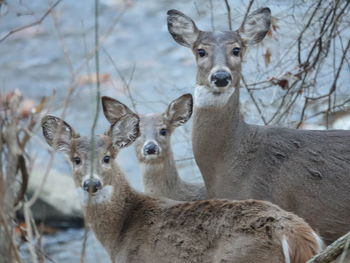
[(161, 177), (107, 216), (218, 128)]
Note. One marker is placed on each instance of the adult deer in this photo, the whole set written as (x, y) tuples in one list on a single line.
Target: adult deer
[(306, 172), (153, 148), (134, 227)]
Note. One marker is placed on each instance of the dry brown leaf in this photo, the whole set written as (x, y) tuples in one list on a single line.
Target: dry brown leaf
[(40, 106), (269, 33), (267, 57), (274, 24), (282, 82), (91, 79)]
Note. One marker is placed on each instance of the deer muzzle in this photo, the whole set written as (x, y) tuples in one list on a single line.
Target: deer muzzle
[(221, 78), (92, 185), (150, 149)]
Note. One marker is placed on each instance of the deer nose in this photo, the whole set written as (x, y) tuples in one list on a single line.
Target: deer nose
[(151, 148), (221, 78), (92, 185)]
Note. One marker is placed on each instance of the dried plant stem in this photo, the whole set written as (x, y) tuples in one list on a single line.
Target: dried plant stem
[(98, 91), (229, 19), (254, 101), (246, 13), (125, 83)]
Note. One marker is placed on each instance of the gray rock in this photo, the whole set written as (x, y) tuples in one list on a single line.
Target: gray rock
[(57, 204)]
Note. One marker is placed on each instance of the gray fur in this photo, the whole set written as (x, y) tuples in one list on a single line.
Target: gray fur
[(136, 228), (306, 172), (160, 175)]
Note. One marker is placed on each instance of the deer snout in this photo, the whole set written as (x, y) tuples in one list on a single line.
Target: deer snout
[(92, 185), (151, 149), (221, 78)]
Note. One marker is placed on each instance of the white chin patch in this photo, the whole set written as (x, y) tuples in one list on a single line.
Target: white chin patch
[(208, 97), (101, 196), (151, 156)]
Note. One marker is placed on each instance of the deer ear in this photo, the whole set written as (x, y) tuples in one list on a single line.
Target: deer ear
[(125, 130), (114, 109), (182, 28), (180, 110), (256, 26), (58, 134)]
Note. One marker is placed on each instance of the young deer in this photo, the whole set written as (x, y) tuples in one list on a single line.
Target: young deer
[(306, 172), (134, 227), (153, 148)]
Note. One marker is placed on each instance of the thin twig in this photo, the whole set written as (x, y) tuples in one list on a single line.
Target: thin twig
[(15, 30), (211, 15), (125, 83), (246, 13), (27, 215), (229, 20), (254, 101), (98, 91)]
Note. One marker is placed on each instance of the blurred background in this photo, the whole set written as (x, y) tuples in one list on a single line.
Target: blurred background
[(297, 77)]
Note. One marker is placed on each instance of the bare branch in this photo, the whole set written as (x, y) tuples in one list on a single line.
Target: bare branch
[(333, 251), (15, 30), (229, 20), (254, 101), (246, 13), (126, 83)]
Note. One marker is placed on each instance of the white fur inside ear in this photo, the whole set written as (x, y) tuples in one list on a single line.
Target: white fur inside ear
[(181, 25), (102, 196), (205, 97), (125, 131), (256, 26), (183, 29)]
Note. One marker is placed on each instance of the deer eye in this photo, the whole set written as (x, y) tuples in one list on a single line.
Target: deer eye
[(163, 132), (235, 51), (201, 52), (77, 160), (106, 159)]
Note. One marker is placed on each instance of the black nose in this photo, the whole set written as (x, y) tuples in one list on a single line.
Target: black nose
[(150, 148), (221, 78), (92, 185)]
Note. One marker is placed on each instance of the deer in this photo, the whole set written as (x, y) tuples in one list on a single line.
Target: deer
[(134, 227), (153, 148), (302, 171)]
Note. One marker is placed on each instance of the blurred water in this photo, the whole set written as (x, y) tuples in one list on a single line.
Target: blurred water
[(43, 60), (67, 246)]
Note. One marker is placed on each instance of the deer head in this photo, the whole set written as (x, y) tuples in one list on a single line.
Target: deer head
[(219, 54), (153, 145), (93, 162)]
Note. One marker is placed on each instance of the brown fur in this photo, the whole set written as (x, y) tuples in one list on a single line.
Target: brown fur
[(160, 175), (137, 228), (302, 244), (303, 171)]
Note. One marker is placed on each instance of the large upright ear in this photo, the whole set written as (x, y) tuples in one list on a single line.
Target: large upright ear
[(125, 130), (114, 109), (182, 28), (256, 26), (58, 134), (180, 110)]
